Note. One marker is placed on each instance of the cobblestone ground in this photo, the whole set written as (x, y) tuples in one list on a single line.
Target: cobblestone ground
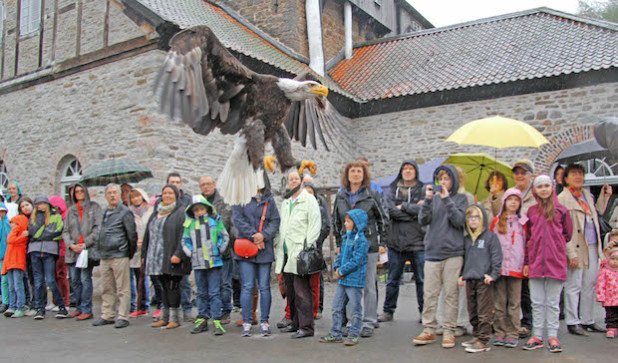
[(52, 340)]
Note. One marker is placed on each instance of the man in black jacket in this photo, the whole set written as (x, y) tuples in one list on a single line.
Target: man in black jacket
[(405, 242), (116, 244)]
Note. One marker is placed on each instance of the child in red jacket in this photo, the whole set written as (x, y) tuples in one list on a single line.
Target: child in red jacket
[(14, 266), (607, 287)]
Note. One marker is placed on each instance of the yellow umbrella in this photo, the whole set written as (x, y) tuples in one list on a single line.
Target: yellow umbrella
[(499, 132)]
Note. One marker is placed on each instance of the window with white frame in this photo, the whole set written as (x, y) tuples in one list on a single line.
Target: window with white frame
[(71, 174), (30, 17)]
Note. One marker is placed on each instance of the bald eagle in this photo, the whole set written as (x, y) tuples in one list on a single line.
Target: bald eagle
[(206, 87)]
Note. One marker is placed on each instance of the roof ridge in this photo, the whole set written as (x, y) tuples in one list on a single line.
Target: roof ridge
[(581, 19)]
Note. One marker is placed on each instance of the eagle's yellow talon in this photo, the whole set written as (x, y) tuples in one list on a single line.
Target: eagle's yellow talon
[(309, 165), (269, 163)]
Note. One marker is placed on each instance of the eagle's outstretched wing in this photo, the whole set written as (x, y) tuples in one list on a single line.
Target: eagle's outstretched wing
[(202, 84)]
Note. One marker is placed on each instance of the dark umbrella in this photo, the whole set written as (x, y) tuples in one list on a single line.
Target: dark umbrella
[(585, 150), (606, 134), (115, 171)]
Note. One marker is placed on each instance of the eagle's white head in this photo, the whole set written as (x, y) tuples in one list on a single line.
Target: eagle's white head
[(301, 90)]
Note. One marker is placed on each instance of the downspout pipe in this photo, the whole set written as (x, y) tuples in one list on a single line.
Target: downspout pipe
[(347, 16), (314, 36)]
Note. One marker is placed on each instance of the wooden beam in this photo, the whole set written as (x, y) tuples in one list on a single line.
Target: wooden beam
[(78, 36), (17, 36), (41, 33), (69, 7), (3, 41), (106, 25), (54, 32)]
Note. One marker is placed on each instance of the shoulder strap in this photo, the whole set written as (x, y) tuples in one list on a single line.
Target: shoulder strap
[(263, 217)]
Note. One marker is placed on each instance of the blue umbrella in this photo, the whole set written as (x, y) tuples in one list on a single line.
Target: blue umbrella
[(425, 174)]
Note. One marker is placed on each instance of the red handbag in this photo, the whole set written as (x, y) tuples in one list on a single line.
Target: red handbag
[(244, 247)]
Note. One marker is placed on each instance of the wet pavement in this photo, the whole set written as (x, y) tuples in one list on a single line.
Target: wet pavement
[(52, 340)]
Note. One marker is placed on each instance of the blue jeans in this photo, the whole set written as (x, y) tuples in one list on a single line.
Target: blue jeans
[(396, 264), (145, 303), (185, 295), (352, 296), (44, 271), (208, 297), (249, 272), (226, 285), (81, 283), (17, 294), (4, 289)]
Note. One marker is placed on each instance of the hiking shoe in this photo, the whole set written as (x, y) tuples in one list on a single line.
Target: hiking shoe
[(77, 313), (102, 322), (425, 338), (331, 339), (246, 330), (385, 316), (225, 318), (62, 313), (511, 342), (9, 312), (84, 317), (283, 323), (201, 325), (265, 328), (498, 341), (39, 315), (611, 332), (121, 323), (478, 347), (18, 314), (448, 341), (366, 332), (218, 327), (554, 345), (468, 343), (533, 343), (350, 341)]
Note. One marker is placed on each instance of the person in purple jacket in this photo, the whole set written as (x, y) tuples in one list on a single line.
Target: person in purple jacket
[(545, 261)]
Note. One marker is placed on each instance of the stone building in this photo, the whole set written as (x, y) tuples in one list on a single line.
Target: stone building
[(75, 85)]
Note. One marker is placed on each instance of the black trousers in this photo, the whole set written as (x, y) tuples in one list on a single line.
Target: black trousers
[(611, 317), (170, 296), (300, 298), (526, 305)]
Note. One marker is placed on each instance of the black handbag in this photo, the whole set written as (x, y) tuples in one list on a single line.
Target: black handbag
[(309, 261), (604, 227)]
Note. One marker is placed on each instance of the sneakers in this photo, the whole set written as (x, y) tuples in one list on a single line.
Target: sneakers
[(84, 317), (385, 316), (201, 325), (366, 332), (448, 341), (498, 341), (20, 313), (554, 345), (62, 313), (478, 347), (102, 322), (265, 328), (3, 308), (611, 332), (134, 314), (469, 343), (331, 339), (460, 331), (157, 314), (225, 318), (511, 342), (425, 338), (76, 313), (121, 323), (39, 315), (50, 306), (29, 312), (218, 327), (246, 330), (283, 323), (350, 341), (533, 343), (9, 312)]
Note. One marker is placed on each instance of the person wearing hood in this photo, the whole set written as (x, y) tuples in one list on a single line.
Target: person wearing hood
[(80, 232), (350, 269), (14, 266), (204, 238), (607, 287), (45, 231), (545, 261), (138, 203), (116, 242), (481, 268), (12, 200), (511, 228), (5, 228), (25, 208), (357, 194), (403, 203), (163, 256), (496, 185), (62, 270), (258, 221), (443, 211)]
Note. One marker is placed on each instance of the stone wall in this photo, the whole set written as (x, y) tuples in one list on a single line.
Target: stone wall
[(564, 117)]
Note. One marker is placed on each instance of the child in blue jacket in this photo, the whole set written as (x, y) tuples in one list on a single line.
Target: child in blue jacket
[(350, 268)]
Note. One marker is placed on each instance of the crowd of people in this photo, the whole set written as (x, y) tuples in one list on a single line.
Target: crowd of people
[(499, 265)]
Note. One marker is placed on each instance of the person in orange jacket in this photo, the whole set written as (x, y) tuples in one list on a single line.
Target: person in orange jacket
[(14, 266)]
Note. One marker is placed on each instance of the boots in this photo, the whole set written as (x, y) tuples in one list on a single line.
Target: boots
[(174, 319), (163, 318)]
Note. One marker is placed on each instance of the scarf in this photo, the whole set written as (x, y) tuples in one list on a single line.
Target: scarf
[(80, 209), (139, 210), (581, 201), (166, 209)]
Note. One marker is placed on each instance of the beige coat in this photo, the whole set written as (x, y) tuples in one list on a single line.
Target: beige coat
[(492, 205), (140, 226)]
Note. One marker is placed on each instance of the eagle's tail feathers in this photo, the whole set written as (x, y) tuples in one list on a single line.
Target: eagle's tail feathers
[(239, 181)]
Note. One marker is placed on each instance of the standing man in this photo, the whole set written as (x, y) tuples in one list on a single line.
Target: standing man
[(209, 191), (403, 203), (174, 179), (522, 173), (116, 245)]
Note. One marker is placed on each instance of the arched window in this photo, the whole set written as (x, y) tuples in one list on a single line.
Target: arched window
[(71, 174), (4, 178)]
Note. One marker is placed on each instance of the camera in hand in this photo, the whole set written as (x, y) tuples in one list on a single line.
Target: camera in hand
[(437, 188)]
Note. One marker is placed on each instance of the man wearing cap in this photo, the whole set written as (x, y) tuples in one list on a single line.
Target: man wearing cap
[(522, 173)]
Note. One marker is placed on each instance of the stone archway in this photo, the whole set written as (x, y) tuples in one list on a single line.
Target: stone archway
[(548, 152)]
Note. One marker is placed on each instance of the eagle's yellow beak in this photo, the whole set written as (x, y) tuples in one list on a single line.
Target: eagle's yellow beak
[(319, 90)]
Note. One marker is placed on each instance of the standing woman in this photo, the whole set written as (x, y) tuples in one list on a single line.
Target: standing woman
[(300, 225), (356, 193), (139, 283), (163, 256)]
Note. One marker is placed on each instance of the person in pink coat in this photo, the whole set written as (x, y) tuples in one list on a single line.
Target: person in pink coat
[(607, 286)]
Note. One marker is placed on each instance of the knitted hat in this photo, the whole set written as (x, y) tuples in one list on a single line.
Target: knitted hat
[(542, 180)]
